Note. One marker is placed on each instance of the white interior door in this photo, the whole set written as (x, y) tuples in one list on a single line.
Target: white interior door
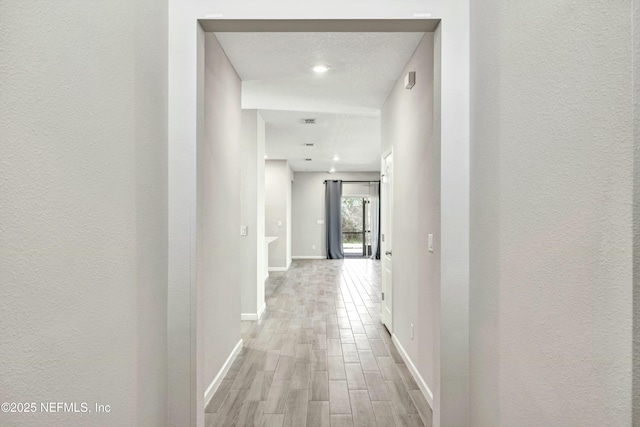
[(386, 241)]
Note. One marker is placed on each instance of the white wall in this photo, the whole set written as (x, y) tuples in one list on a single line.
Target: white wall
[(358, 189), (407, 125), (83, 209), (289, 192), (277, 198), (253, 207), (308, 208), (183, 126), (551, 210), (218, 215)]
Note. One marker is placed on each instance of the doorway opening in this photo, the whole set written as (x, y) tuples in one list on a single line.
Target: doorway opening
[(357, 235)]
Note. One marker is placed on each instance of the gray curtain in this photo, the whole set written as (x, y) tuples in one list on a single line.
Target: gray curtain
[(333, 219)]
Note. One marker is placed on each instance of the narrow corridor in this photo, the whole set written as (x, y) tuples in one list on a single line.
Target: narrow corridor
[(319, 356)]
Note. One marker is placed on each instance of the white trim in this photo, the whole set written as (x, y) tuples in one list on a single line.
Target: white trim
[(424, 388), (213, 387), (253, 316), (262, 309), (278, 268), (248, 316), (309, 257), (385, 153)]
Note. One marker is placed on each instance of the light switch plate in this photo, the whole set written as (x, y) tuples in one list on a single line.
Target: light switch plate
[(430, 242), (320, 221), (243, 230), (279, 223)]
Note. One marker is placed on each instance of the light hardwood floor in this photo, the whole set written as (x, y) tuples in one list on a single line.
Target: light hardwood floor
[(319, 356)]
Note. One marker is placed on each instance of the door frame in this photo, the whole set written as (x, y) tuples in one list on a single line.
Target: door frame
[(186, 27), (383, 213)]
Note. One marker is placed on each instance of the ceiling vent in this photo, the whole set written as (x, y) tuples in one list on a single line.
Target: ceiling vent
[(307, 160), (309, 121), (309, 144)]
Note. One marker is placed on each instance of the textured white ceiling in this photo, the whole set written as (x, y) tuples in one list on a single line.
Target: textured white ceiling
[(354, 138), (276, 74)]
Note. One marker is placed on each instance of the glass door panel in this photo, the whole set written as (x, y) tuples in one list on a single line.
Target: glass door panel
[(353, 226)]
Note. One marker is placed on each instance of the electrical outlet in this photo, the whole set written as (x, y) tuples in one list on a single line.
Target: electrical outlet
[(412, 335)]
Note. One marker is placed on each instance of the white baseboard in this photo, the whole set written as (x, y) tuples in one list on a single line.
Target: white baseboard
[(261, 310), (424, 388), (278, 269), (253, 316), (309, 257), (213, 387)]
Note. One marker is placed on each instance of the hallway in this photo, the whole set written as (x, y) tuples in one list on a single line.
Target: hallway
[(319, 356)]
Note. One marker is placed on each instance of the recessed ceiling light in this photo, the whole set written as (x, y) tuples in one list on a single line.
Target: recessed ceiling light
[(320, 68), (332, 170), (336, 158)]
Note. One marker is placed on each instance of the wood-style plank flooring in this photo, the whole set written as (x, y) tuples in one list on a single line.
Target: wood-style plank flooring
[(319, 356)]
